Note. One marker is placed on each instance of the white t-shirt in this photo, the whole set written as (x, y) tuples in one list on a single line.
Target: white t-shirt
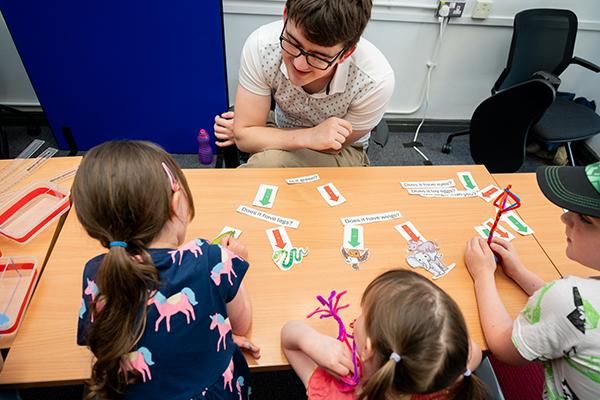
[(559, 326), (358, 92)]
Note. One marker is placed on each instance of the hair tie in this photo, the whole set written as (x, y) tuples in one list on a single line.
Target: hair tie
[(395, 356), (467, 373), (118, 244)]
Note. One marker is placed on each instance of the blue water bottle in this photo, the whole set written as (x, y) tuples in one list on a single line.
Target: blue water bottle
[(205, 153)]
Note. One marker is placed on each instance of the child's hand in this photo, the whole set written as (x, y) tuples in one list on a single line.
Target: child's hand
[(509, 259), (245, 344), (236, 246), (479, 259), (330, 353)]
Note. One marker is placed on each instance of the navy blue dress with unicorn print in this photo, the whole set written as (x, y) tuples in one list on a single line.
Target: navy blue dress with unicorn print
[(187, 350)]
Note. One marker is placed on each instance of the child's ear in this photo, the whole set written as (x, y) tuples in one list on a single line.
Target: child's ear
[(367, 351), (176, 206)]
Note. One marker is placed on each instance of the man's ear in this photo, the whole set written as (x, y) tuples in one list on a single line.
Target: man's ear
[(347, 54), (284, 14)]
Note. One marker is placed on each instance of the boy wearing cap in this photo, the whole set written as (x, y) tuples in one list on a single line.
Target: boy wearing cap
[(559, 324), (330, 87)]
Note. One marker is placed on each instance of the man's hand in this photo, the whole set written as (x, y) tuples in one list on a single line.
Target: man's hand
[(223, 128), (329, 135)]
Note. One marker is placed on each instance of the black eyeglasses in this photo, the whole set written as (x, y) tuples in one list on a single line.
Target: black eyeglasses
[(312, 60)]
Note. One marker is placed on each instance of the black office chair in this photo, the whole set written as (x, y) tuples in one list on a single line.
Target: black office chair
[(501, 123), (543, 41)]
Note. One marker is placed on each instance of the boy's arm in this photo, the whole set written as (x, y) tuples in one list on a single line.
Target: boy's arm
[(252, 135), (514, 268), (495, 321)]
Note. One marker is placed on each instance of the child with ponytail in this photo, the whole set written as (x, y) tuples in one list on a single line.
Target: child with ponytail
[(411, 340), (158, 315)]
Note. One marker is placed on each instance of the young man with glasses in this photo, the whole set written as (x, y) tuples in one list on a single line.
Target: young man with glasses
[(330, 88)]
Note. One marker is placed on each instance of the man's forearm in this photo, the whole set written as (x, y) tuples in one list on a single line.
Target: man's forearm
[(259, 138)]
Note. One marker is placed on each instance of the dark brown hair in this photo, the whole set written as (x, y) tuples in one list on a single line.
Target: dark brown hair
[(330, 22), (121, 192), (407, 314)]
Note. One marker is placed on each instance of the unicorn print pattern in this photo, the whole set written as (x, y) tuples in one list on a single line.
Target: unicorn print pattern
[(180, 302), (194, 246), (228, 376), (186, 347), (82, 308), (91, 290), (224, 327), (225, 267), (140, 361), (239, 384)]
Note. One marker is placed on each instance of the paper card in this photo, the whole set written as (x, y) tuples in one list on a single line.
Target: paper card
[(303, 179), (517, 223), (428, 184), (354, 256), (449, 193), (354, 237), (483, 231), (275, 219), (332, 196), (369, 218), (409, 231), (427, 255), (265, 196), (279, 238), (467, 180), (500, 231), (489, 193), (425, 192), (285, 259), (227, 230)]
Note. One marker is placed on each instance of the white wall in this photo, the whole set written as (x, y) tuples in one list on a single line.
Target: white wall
[(471, 58)]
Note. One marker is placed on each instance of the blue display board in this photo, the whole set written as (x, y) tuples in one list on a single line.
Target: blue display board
[(152, 69)]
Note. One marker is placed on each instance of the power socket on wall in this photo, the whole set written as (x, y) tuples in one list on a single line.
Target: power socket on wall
[(482, 9), (450, 9)]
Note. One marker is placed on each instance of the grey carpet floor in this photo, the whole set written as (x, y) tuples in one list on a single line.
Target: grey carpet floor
[(279, 384)]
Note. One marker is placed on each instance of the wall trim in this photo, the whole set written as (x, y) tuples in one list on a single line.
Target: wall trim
[(386, 10)]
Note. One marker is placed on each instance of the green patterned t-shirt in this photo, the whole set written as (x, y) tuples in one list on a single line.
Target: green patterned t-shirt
[(559, 326)]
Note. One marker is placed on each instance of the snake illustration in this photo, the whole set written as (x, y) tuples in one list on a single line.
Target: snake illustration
[(286, 258)]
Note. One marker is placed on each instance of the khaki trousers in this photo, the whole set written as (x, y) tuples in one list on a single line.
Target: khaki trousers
[(348, 157)]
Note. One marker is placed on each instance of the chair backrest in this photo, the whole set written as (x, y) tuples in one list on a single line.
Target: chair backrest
[(543, 40), (500, 124)]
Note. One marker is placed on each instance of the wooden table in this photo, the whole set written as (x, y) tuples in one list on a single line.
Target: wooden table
[(41, 245), (46, 350), (544, 217)]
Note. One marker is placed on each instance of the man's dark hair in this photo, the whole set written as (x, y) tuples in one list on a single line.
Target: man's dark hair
[(330, 22)]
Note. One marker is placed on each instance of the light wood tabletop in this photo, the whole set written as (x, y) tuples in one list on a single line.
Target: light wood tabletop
[(544, 217), (45, 351), (40, 246)]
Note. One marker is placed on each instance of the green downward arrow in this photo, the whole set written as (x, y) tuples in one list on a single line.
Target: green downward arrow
[(518, 224), (468, 183), (486, 231), (267, 197), (354, 237)]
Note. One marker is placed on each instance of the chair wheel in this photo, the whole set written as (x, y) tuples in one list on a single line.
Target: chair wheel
[(447, 148)]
